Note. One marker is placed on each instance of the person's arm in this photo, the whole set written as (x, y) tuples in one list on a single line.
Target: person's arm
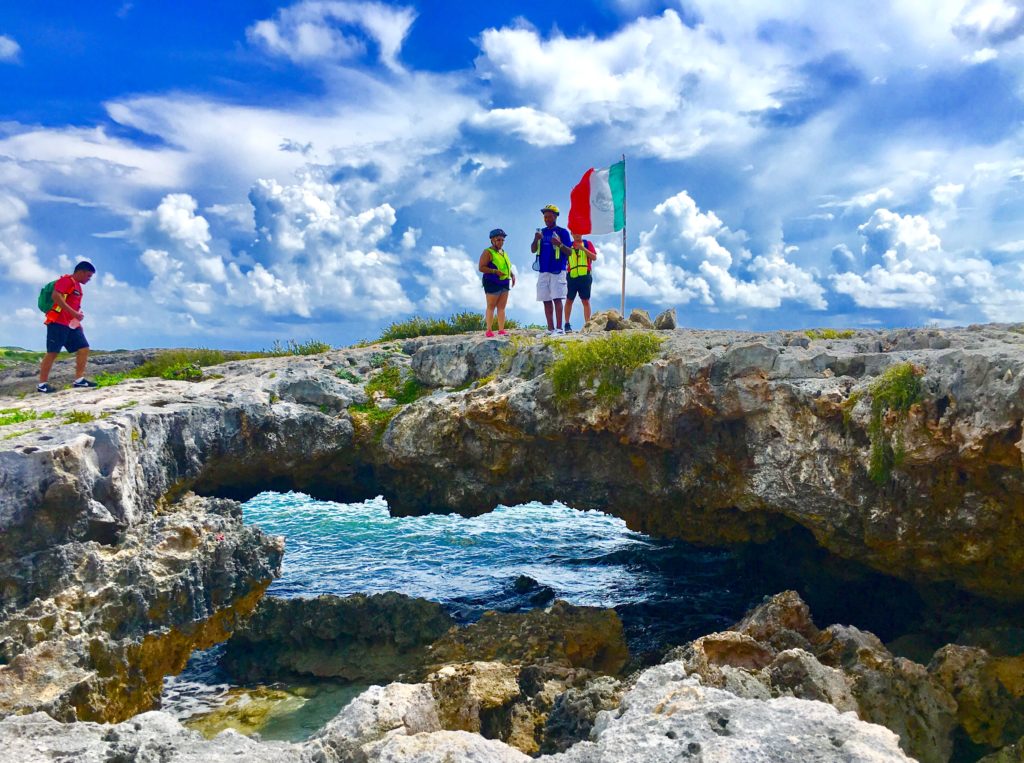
[(64, 306), (535, 246), (484, 265)]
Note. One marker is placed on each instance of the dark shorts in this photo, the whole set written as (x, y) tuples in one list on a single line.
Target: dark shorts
[(580, 286), (58, 335), (495, 287)]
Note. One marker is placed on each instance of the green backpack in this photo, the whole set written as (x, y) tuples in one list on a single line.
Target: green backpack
[(46, 297)]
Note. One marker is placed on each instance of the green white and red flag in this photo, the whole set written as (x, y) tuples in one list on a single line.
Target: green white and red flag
[(598, 202)]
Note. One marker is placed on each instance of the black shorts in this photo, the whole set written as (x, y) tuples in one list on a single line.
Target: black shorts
[(580, 286), (58, 335), (495, 287)]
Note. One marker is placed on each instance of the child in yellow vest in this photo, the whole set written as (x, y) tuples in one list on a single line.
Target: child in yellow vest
[(579, 279)]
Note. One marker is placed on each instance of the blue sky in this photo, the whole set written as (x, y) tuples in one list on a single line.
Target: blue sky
[(246, 172)]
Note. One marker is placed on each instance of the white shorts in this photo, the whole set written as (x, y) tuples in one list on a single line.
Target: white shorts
[(551, 286)]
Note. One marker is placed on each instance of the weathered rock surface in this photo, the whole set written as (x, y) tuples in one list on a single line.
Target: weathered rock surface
[(729, 437), (1013, 753), (777, 651), (578, 637), (669, 717), (146, 738), (90, 630), (666, 320), (363, 639)]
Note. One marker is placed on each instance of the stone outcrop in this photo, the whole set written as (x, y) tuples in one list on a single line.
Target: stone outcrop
[(90, 630), (577, 637), (670, 717), (363, 639), (729, 437)]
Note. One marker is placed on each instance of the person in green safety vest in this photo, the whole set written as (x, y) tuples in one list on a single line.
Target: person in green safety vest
[(579, 280), (498, 278)]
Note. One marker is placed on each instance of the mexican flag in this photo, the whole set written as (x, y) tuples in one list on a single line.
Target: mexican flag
[(598, 203)]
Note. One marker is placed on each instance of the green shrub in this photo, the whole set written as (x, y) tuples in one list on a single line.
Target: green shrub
[(829, 333), (606, 361), (896, 389), (347, 375), (78, 417), (291, 347), (459, 323)]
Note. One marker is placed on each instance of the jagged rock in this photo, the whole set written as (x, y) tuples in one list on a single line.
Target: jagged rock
[(668, 717), (146, 738), (522, 595), (363, 639), (989, 692), (581, 637), (575, 710), (782, 621), (640, 319), (797, 673), (727, 661), (666, 320), (90, 631), (894, 692), (365, 724), (445, 747), (470, 695), (452, 364), (1013, 753), (605, 320)]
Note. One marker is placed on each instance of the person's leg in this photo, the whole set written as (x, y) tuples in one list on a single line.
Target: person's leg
[(492, 300), (586, 310), (548, 312), (46, 365), (502, 301), (81, 358), (558, 312), (568, 308)]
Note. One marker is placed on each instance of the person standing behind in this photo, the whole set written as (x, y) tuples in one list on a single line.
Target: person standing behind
[(498, 279), (64, 327), (580, 279), (551, 245)]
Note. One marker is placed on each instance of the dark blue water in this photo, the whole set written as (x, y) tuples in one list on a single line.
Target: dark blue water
[(666, 592)]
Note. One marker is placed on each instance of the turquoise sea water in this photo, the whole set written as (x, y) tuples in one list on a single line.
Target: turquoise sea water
[(516, 558)]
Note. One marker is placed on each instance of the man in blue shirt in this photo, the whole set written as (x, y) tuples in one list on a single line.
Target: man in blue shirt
[(551, 244)]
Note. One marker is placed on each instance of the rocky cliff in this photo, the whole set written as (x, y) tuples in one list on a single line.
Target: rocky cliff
[(900, 449)]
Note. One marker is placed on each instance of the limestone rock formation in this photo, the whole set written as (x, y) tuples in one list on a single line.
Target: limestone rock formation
[(148, 737), (665, 320), (1013, 753), (640, 319), (89, 631), (364, 639), (579, 637), (989, 692), (669, 717)]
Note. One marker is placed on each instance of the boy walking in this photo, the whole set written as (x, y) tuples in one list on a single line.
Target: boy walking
[(64, 327)]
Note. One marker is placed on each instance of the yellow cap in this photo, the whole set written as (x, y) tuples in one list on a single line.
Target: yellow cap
[(551, 208)]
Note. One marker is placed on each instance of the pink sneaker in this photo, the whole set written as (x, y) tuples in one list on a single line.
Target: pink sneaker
[(489, 334), (503, 333)]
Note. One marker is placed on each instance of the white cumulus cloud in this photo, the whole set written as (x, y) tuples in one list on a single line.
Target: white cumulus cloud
[(535, 127), (319, 30), (10, 50), (17, 255)]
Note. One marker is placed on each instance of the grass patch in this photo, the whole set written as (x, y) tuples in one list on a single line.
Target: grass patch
[(347, 376), (18, 433), (459, 323), (78, 417), (291, 347), (17, 354), (896, 390), (400, 387), (606, 362), (829, 333), (10, 416)]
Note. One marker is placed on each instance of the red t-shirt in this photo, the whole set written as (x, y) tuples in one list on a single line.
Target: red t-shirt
[(72, 291)]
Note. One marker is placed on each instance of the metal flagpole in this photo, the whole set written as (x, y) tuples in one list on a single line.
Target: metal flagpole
[(623, 236)]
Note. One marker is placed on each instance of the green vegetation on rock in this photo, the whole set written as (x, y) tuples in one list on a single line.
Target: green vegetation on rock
[(829, 333), (78, 417), (20, 415), (390, 382), (605, 361), (459, 323), (896, 390)]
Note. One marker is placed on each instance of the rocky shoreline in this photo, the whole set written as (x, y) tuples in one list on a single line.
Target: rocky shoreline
[(121, 552)]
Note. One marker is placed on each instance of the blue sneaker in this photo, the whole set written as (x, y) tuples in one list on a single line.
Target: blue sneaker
[(83, 383), (45, 388)]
